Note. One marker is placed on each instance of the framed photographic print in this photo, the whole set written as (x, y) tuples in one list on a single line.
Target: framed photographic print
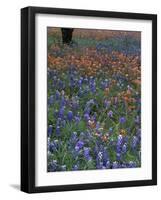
[(88, 99)]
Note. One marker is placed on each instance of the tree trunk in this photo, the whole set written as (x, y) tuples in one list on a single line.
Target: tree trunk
[(67, 35)]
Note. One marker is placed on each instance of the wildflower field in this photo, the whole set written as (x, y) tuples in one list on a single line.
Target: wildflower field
[(94, 100)]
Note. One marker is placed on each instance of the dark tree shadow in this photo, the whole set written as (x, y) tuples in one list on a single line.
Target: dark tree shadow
[(67, 35)]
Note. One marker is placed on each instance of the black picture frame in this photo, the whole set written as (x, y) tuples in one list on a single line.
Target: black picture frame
[(28, 98)]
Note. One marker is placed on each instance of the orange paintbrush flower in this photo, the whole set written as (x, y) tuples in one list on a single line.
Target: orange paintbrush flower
[(123, 132), (106, 91), (104, 138), (92, 124)]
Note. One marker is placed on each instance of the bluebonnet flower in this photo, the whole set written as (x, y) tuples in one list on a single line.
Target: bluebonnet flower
[(137, 119), (118, 156), (138, 134), (93, 86), (123, 165), (58, 130), (61, 112), (119, 147), (105, 156), (75, 104), (108, 164), (53, 166), (51, 100), (124, 148), (97, 125), (79, 145), (87, 153), (122, 120), (55, 113), (119, 140), (104, 84), (63, 102), (75, 167), (53, 146), (131, 164), (134, 142), (48, 142), (61, 84), (57, 95), (77, 119), (107, 103), (70, 115), (99, 165), (86, 116), (50, 129), (100, 155), (58, 122), (110, 113), (80, 92), (125, 139), (72, 82), (85, 80), (115, 165), (80, 81), (73, 137)]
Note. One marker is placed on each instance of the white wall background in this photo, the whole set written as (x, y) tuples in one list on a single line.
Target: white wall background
[(10, 99)]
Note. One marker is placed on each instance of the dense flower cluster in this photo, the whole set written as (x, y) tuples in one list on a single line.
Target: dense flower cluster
[(94, 102)]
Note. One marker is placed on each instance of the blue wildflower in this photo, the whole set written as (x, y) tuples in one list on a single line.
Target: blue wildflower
[(61, 112), (57, 94), (115, 165), (79, 145), (51, 100), (63, 101), (122, 120), (50, 129), (110, 113), (137, 120), (73, 137), (131, 164), (107, 104), (118, 156), (134, 142), (87, 153), (100, 155), (80, 81), (119, 143), (107, 164), (77, 119), (53, 146), (99, 165), (75, 167), (58, 130), (86, 116), (124, 148), (53, 166), (70, 115), (97, 125)]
